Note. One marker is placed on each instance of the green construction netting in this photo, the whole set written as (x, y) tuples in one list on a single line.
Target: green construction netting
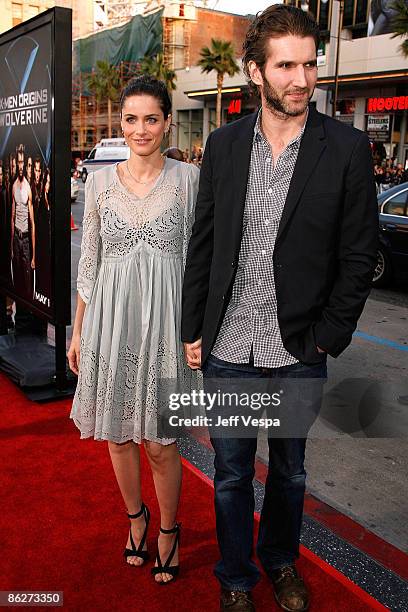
[(127, 43)]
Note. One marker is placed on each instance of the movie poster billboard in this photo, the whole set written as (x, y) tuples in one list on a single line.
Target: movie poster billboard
[(382, 14), (34, 182)]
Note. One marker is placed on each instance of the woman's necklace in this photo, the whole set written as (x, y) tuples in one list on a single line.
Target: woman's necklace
[(141, 182)]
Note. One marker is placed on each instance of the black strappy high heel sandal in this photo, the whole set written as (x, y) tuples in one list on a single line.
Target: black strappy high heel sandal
[(166, 569), (138, 552)]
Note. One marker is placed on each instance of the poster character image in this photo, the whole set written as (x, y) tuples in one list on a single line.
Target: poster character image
[(382, 14)]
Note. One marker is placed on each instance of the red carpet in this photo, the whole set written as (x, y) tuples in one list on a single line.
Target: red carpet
[(63, 526)]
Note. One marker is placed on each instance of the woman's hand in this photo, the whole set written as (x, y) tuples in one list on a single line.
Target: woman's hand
[(74, 354), (192, 352)]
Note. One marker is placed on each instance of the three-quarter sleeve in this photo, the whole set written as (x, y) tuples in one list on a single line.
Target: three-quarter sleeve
[(193, 178), (91, 243)]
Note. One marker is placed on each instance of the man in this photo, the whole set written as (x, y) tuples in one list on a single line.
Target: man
[(36, 188), (29, 170), (278, 269), (21, 212)]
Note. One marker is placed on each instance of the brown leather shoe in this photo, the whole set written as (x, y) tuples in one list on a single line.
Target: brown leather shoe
[(236, 601), (290, 590)]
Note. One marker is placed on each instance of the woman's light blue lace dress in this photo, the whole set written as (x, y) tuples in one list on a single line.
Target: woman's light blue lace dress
[(130, 276)]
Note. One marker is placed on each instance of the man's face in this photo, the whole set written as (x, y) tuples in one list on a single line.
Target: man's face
[(29, 168), (20, 162), (290, 75), (37, 172), (1, 176)]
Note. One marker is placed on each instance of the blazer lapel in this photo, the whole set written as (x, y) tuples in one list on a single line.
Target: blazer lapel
[(241, 148), (311, 148)]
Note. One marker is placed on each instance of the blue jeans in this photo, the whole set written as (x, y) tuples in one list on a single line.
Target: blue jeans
[(281, 516)]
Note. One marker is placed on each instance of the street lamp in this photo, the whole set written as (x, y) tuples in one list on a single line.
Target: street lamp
[(336, 71), (304, 5)]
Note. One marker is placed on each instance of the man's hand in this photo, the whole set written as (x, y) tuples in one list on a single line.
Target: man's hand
[(192, 352), (33, 263), (320, 350)]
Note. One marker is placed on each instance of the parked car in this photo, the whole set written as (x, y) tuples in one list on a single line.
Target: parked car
[(393, 249), (74, 189), (107, 151)]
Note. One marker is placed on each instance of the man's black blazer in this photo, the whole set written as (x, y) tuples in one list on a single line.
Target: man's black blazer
[(326, 247)]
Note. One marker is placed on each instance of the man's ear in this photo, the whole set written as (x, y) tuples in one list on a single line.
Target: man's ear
[(255, 73)]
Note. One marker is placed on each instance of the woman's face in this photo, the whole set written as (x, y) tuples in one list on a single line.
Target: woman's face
[(143, 124)]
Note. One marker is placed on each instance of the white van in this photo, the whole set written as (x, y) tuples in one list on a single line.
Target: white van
[(103, 154)]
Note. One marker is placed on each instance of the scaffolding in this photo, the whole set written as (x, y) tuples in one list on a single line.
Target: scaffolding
[(90, 117)]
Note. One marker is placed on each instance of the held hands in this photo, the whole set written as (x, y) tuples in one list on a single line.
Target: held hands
[(192, 352), (74, 354)]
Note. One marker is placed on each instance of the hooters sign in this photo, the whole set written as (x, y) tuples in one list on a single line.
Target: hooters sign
[(381, 104), (235, 107)]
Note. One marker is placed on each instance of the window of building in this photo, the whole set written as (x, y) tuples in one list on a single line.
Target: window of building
[(90, 137), (32, 10), (361, 11), (75, 140), (355, 12), (190, 129), (324, 13), (16, 12), (320, 10)]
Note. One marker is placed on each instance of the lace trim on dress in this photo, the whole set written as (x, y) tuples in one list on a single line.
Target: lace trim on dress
[(128, 394)]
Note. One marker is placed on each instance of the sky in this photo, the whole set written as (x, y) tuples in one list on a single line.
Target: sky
[(241, 7)]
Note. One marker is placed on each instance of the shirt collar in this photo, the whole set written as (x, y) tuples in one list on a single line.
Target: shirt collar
[(259, 135)]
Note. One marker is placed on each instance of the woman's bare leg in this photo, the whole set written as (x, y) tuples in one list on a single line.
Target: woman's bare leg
[(126, 465), (166, 467)]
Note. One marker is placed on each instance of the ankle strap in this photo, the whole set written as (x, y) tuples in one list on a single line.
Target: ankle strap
[(141, 511), (175, 529)]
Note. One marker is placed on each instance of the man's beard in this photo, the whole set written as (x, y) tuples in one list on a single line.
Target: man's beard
[(275, 103)]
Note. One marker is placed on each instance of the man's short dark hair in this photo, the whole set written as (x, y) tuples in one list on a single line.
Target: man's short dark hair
[(276, 21)]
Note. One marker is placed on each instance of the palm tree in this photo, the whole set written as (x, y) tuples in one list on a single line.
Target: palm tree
[(400, 24), (105, 84), (220, 58), (156, 67)]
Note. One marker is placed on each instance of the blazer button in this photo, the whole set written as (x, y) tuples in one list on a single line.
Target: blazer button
[(223, 297), (233, 264)]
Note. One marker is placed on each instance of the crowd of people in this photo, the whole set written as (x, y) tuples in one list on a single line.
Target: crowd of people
[(388, 174)]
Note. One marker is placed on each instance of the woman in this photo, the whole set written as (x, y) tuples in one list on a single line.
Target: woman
[(126, 336)]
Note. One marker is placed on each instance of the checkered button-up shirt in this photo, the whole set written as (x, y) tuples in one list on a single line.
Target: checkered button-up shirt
[(251, 318)]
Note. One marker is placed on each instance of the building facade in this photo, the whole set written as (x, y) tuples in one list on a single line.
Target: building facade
[(370, 77), (186, 29), (372, 81), (14, 12)]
